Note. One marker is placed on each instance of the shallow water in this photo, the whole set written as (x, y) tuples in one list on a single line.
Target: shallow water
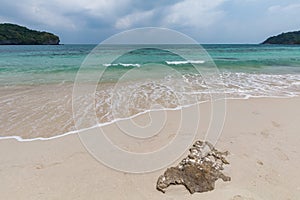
[(36, 82)]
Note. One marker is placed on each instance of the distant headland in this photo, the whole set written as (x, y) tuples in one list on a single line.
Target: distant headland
[(289, 38), (12, 34)]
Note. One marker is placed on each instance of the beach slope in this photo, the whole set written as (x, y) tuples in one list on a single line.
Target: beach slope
[(262, 135)]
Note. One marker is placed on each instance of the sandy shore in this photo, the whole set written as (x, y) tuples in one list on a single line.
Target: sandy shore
[(262, 135)]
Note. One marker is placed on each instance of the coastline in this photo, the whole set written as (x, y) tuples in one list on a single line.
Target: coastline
[(21, 139), (262, 135), (45, 112)]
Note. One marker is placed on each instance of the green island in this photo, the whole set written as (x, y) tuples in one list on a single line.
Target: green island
[(289, 38), (12, 34)]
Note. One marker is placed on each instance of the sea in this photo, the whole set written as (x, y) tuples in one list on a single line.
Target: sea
[(39, 84)]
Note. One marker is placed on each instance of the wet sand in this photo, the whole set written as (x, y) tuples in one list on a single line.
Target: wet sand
[(261, 134)]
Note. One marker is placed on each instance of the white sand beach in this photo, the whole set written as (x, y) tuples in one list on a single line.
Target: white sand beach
[(262, 136)]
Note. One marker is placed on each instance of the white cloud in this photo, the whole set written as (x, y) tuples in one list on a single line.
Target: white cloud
[(93, 20), (186, 13), (282, 18), (133, 19), (66, 13), (119, 14), (41, 15), (98, 8), (194, 13), (284, 9)]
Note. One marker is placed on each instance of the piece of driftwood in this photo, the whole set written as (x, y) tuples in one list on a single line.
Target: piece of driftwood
[(198, 172)]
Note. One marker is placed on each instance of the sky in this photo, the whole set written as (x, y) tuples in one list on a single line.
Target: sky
[(206, 21)]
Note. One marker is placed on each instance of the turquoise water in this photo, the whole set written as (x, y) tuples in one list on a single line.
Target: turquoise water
[(246, 70), (36, 82), (55, 64), (272, 59)]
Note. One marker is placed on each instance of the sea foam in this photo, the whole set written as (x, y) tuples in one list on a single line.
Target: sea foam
[(185, 62)]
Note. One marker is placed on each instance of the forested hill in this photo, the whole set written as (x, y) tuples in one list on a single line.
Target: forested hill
[(12, 34), (284, 38)]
